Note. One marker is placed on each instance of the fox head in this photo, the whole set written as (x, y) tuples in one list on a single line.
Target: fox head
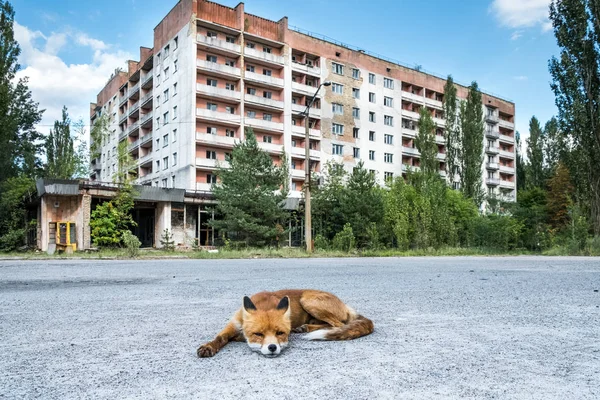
[(267, 331)]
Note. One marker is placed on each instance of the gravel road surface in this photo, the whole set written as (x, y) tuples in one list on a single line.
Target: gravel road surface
[(449, 327)]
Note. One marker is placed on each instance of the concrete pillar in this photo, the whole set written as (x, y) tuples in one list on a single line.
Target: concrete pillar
[(163, 221), (86, 211), (44, 227)]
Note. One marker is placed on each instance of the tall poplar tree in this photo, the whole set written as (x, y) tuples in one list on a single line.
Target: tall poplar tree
[(471, 121), (535, 155), (452, 131), (425, 142)]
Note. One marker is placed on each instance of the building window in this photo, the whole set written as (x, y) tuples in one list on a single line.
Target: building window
[(227, 157), (211, 58), (230, 110), (388, 176), (251, 114), (166, 51), (229, 133), (371, 97), (267, 117), (356, 93), (157, 79), (267, 72), (166, 118), (174, 112), (174, 159), (356, 152), (337, 149), (356, 112), (251, 91), (229, 86), (337, 68), (267, 139), (157, 100), (266, 49), (211, 82), (175, 89), (337, 108), (230, 39), (372, 155), (337, 88), (211, 34), (337, 129), (174, 66), (250, 45), (176, 43), (174, 135), (388, 157), (388, 139), (355, 133), (267, 94), (388, 83), (211, 130), (158, 165), (371, 79), (388, 120), (372, 136), (250, 68), (211, 154), (166, 140), (166, 73), (164, 183), (388, 102), (211, 178), (157, 143), (230, 63), (355, 73), (166, 95), (165, 163), (371, 116)]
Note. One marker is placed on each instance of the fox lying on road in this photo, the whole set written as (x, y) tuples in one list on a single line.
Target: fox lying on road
[(266, 320)]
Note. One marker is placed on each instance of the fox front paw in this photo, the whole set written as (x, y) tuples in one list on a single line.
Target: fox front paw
[(206, 350), (301, 329)]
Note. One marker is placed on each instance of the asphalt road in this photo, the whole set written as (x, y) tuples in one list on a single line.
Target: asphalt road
[(506, 328)]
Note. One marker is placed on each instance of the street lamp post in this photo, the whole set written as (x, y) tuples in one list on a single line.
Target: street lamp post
[(307, 207)]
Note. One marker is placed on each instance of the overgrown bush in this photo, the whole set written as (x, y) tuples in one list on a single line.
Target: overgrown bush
[(111, 219), (321, 242), (166, 241), (344, 240), (132, 244), (496, 232)]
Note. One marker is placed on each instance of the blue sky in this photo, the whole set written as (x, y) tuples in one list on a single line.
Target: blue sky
[(504, 45)]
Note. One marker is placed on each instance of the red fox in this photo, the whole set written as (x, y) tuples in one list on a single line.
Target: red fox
[(266, 320)]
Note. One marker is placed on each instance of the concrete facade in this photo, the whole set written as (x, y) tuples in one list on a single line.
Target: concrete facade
[(234, 70)]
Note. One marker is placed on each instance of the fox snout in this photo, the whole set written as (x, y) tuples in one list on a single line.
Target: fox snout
[(266, 331)]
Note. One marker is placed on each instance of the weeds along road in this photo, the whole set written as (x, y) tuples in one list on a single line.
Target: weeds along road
[(469, 327)]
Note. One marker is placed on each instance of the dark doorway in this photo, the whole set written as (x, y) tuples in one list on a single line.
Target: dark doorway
[(144, 217)]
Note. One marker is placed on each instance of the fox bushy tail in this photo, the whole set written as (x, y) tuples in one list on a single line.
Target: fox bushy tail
[(360, 326)]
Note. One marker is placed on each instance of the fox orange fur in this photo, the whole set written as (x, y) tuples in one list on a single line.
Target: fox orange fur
[(266, 320)]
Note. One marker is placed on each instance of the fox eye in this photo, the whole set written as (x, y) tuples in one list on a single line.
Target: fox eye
[(279, 333), (258, 334)]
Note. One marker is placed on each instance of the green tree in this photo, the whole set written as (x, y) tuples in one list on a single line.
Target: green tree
[(554, 147), (61, 159), (250, 195), (328, 210), (14, 194), (559, 197), (471, 120), (20, 142), (520, 164), (425, 142), (535, 155), (452, 131), (576, 85)]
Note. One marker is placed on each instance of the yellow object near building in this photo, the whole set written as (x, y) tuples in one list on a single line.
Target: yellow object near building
[(66, 235)]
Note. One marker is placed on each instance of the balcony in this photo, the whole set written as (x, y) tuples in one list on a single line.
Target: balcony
[(271, 147), (219, 69), (209, 163), (123, 100), (507, 184), (491, 117), (263, 124), (133, 145), (407, 167), (443, 173), (506, 124), (145, 160), (147, 139), (263, 79), (411, 151), (440, 140), (492, 149), (492, 134), (300, 109), (415, 98), (203, 187), (146, 101), (134, 90), (306, 90), (298, 174), (506, 139), (505, 169), (263, 101), (307, 69), (218, 92), (441, 156), (123, 118), (301, 152), (133, 127), (218, 44), (492, 181), (146, 120), (411, 114), (492, 165), (507, 154), (134, 107), (300, 130), (434, 103), (215, 140), (148, 80), (263, 56), (225, 118), (408, 132)]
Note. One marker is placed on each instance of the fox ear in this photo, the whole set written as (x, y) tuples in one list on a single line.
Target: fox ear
[(248, 304), (284, 303)]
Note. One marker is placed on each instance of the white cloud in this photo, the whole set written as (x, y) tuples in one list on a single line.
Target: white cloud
[(522, 13), (54, 83), (520, 78), (516, 35)]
